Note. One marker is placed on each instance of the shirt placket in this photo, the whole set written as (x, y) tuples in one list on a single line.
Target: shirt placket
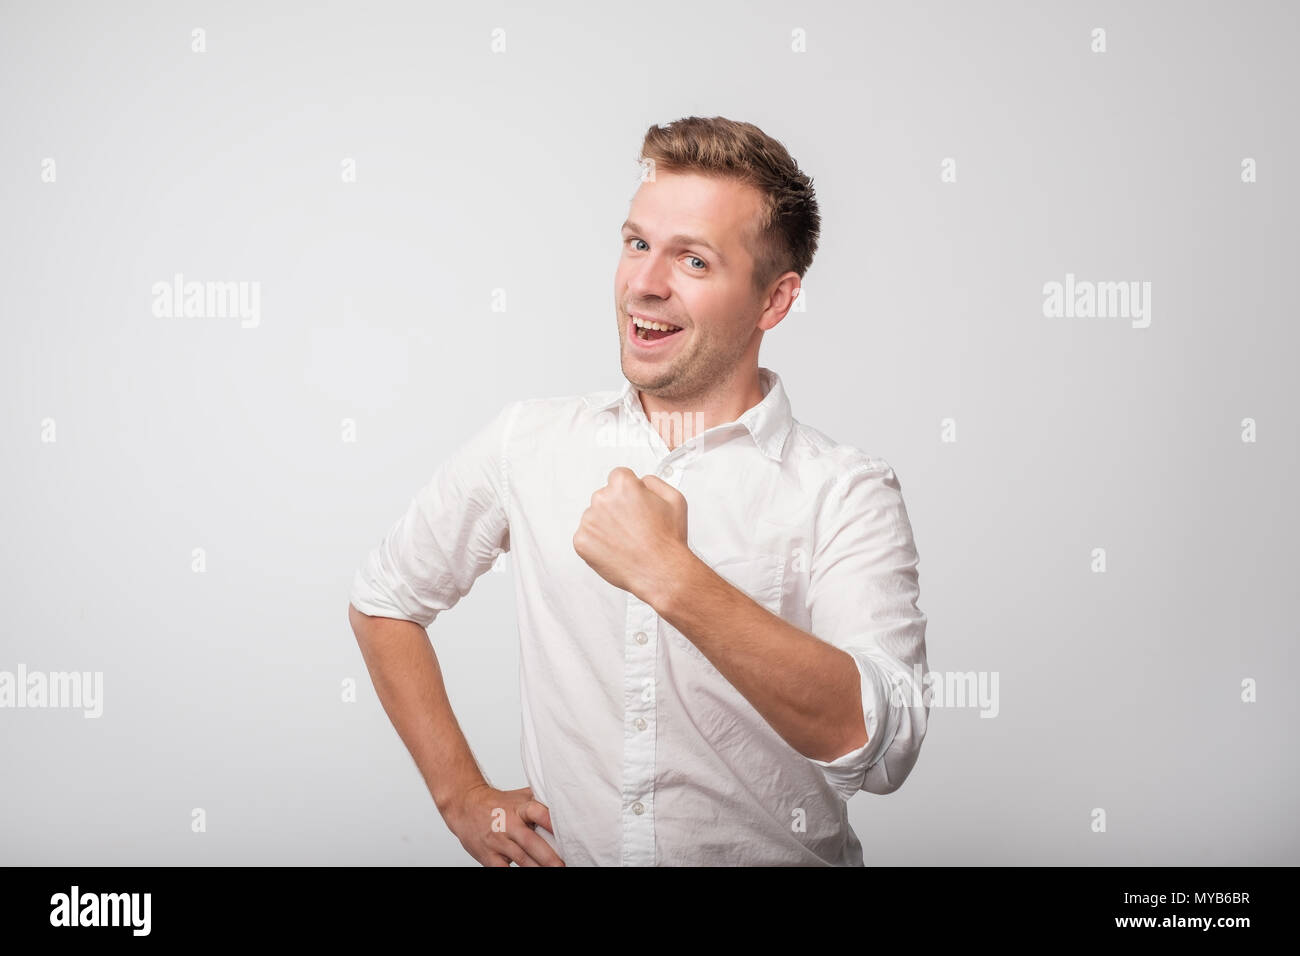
[(640, 710)]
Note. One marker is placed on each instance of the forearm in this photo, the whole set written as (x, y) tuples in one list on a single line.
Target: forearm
[(404, 670), (808, 690)]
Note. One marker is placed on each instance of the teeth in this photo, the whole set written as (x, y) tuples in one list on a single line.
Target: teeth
[(656, 326)]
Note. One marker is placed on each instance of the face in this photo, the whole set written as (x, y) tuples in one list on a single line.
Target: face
[(685, 263)]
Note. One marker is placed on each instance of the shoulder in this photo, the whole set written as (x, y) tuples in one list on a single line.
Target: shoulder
[(858, 493), (832, 462), (566, 408), (541, 418)]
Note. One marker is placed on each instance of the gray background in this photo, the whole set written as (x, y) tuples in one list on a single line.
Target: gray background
[(478, 171)]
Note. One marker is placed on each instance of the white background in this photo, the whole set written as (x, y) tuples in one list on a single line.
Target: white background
[(479, 171)]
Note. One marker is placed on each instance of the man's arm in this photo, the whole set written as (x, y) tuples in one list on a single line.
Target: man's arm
[(495, 826), (634, 535), (408, 680), (864, 733), (807, 689), (450, 534)]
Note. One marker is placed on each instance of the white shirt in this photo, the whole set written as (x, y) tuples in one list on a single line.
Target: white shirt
[(644, 753)]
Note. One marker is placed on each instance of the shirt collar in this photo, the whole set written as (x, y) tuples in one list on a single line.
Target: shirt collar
[(768, 423)]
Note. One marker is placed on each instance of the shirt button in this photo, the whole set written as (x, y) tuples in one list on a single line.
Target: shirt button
[(641, 638), (640, 723), (668, 471), (638, 808)]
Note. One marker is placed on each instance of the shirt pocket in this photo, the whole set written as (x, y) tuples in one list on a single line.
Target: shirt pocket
[(760, 577)]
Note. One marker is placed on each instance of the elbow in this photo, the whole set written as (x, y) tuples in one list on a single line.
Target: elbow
[(851, 741), (897, 762)]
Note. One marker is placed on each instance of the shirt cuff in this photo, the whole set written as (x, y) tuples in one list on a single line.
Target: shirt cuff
[(846, 773), (370, 598)]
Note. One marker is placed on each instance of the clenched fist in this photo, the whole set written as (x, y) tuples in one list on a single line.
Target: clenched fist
[(634, 534)]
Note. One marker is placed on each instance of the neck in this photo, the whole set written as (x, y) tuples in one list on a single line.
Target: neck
[(679, 419)]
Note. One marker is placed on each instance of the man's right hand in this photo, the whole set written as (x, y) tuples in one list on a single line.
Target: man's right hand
[(496, 827)]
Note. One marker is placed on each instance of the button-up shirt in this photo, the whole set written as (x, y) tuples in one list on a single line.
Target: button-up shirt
[(643, 751)]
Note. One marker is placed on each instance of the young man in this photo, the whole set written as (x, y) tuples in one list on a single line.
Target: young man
[(719, 635)]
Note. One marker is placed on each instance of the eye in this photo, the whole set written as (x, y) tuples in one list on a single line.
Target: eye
[(703, 264), (632, 239)]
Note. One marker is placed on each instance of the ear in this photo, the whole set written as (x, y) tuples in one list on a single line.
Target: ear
[(780, 300)]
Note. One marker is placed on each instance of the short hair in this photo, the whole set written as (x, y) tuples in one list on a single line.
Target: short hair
[(785, 236)]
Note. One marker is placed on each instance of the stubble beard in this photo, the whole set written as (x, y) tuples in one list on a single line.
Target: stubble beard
[(699, 369)]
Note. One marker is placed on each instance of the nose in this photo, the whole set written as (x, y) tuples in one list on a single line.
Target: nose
[(649, 279)]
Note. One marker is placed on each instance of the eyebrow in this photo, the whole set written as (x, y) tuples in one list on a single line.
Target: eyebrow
[(680, 239)]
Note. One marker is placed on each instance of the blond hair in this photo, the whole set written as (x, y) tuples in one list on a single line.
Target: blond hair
[(784, 237)]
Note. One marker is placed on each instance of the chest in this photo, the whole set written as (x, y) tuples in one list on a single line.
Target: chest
[(747, 517)]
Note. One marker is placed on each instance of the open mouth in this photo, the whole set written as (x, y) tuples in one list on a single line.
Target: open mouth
[(648, 331)]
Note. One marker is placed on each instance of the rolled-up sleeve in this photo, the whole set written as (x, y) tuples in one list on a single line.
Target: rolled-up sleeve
[(862, 595), (452, 531)]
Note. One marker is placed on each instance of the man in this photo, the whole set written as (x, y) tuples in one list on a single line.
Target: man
[(719, 635)]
